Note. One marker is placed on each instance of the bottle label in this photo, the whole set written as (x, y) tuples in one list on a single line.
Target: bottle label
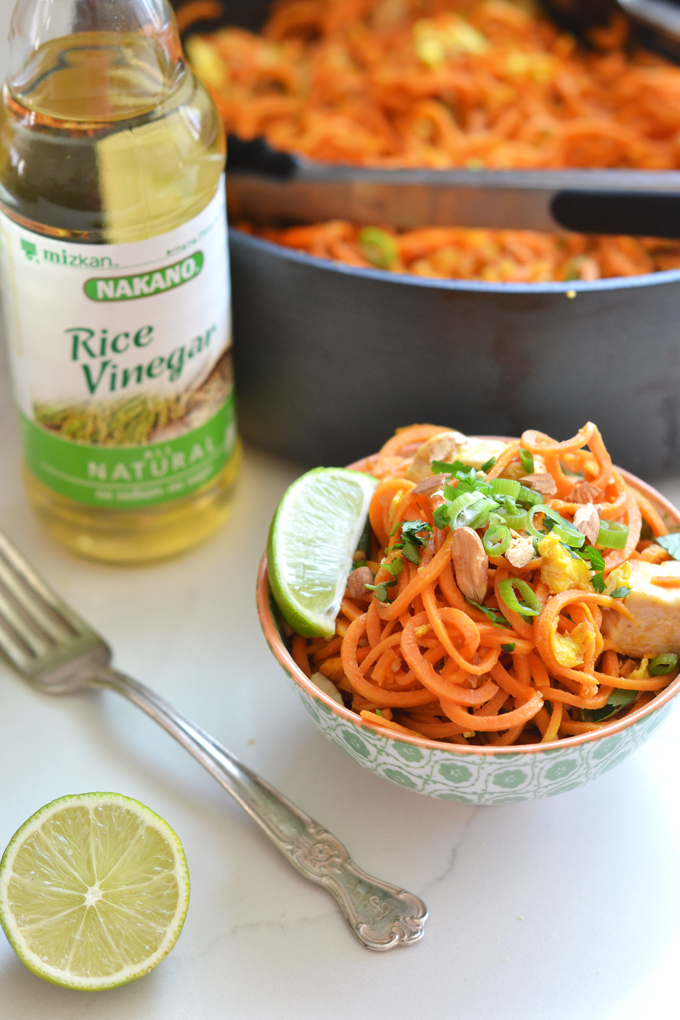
[(121, 358)]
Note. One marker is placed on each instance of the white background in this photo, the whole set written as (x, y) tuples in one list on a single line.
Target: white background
[(565, 909)]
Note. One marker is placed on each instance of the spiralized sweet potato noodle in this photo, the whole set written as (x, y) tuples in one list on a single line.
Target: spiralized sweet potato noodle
[(429, 662)]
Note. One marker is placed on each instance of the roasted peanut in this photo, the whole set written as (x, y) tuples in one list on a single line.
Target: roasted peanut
[(470, 563), (357, 581), (542, 482), (587, 521)]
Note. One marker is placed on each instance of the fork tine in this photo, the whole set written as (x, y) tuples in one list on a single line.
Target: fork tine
[(36, 586), (30, 604), (14, 651), (14, 621)]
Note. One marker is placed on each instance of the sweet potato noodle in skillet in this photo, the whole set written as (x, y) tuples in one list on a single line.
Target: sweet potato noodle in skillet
[(459, 253), (508, 592), (441, 83)]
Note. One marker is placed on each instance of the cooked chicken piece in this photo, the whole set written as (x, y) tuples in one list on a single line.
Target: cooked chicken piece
[(476, 452), (444, 446), (656, 609), (516, 470)]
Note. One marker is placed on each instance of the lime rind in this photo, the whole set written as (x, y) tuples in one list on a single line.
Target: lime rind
[(312, 539), (15, 932)]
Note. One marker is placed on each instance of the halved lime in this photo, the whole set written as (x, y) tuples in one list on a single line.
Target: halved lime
[(94, 889), (313, 537)]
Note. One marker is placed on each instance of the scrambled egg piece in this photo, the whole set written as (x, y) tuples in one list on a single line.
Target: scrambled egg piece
[(559, 570), (641, 673), (570, 649), (656, 610)]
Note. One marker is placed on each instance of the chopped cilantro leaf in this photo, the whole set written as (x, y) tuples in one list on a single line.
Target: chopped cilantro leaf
[(622, 592), (411, 539), (410, 531), (395, 567), (496, 618), (488, 464), (671, 543), (378, 711), (598, 582), (595, 557), (441, 516), (509, 648), (618, 699), (411, 552), (380, 590)]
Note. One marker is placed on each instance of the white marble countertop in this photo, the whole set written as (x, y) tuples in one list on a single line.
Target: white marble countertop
[(563, 909)]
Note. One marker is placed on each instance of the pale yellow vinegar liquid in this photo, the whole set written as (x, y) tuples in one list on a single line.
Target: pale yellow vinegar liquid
[(103, 140)]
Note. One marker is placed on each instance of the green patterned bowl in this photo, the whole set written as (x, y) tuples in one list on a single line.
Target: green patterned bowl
[(475, 775)]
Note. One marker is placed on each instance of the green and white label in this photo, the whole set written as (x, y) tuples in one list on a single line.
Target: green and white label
[(121, 358)]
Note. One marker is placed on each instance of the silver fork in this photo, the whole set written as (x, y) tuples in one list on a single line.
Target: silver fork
[(59, 653)]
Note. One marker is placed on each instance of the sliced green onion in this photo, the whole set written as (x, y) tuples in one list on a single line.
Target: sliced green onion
[(509, 648), (529, 496), (505, 487), (564, 530), (450, 492), (378, 247), (497, 540), (488, 464), (475, 515), (612, 535), (470, 509), (515, 521), (663, 664), (527, 460), (570, 535), (529, 604), (530, 527), (465, 499)]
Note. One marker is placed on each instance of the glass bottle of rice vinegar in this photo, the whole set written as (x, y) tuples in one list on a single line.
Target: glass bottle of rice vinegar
[(114, 275)]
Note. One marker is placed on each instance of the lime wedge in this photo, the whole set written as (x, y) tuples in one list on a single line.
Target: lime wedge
[(94, 889), (313, 537)]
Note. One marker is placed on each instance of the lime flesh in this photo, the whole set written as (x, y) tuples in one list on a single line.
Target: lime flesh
[(312, 539), (94, 889)]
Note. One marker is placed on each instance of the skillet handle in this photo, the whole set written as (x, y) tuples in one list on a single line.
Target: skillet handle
[(598, 212)]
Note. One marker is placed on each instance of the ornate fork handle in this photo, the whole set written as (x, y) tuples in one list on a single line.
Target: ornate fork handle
[(380, 914)]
